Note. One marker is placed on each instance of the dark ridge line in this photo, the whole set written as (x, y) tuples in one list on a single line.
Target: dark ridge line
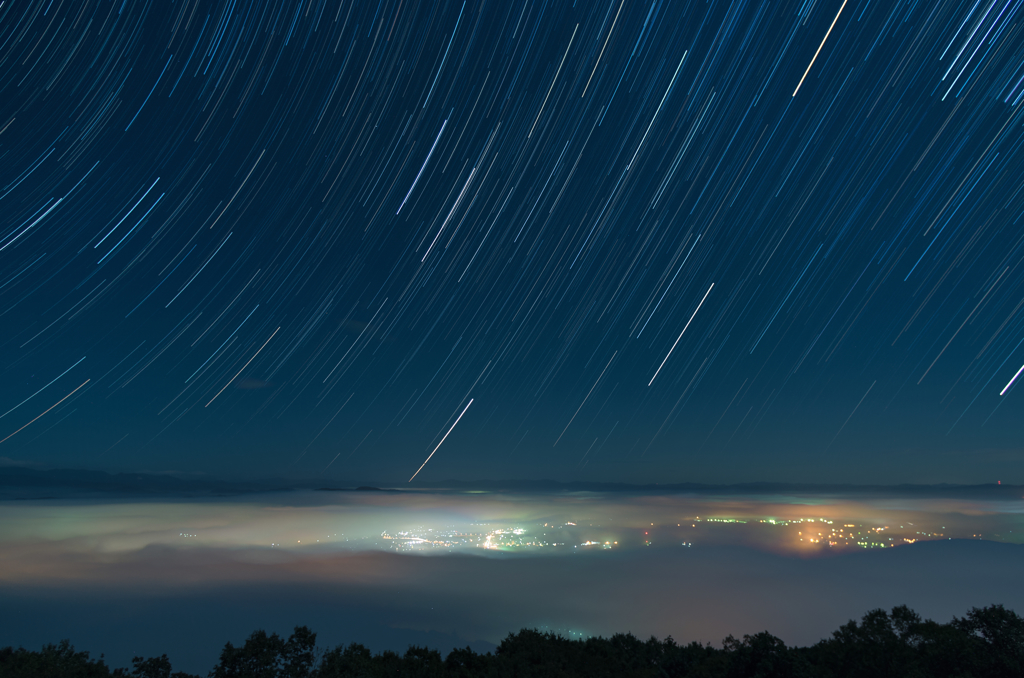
[(18, 480)]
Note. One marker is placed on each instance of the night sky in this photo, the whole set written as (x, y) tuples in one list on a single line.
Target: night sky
[(656, 241)]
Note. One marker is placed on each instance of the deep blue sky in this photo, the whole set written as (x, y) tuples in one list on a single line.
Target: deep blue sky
[(301, 238)]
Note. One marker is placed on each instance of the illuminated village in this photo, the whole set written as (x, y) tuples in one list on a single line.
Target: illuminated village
[(808, 535)]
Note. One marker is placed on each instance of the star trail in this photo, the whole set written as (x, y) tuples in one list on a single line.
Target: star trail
[(645, 240)]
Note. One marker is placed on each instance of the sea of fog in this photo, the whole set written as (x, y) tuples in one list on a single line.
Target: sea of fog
[(451, 568)]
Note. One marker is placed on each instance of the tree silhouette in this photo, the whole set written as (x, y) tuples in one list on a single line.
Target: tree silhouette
[(269, 656), (1002, 634), (986, 643)]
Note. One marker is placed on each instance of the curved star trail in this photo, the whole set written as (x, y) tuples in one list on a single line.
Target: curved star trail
[(518, 205)]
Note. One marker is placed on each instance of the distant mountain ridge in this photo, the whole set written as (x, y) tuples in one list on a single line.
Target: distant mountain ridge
[(26, 483), (19, 482), (948, 490)]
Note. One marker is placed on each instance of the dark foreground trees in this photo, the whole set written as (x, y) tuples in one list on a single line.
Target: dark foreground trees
[(986, 643)]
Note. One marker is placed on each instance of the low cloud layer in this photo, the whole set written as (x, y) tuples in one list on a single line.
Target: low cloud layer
[(131, 579)]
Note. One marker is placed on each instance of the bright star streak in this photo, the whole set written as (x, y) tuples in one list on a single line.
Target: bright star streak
[(44, 388), (680, 335), (442, 440), (50, 408), (1008, 385), (414, 181), (819, 48)]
